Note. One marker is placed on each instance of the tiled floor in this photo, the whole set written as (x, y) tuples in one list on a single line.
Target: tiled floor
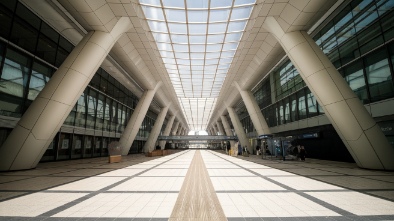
[(241, 188)]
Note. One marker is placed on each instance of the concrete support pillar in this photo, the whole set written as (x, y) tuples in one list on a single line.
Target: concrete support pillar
[(167, 130), (220, 127), (175, 128), (152, 138), (215, 130), (254, 111), (134, 124), (36, 129), (357, 129), (239, 129), (178, 129), (227, 129)]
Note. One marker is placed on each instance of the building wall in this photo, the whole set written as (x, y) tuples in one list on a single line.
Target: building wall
[(358, 39), (30, 52)]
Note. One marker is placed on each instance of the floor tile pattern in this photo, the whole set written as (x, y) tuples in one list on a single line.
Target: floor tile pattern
[(197, 199), (245, 188)]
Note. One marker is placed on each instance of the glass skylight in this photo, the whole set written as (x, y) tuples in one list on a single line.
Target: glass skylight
[(197, 40)]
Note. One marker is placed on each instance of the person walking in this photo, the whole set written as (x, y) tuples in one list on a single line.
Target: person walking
[(302, 153)]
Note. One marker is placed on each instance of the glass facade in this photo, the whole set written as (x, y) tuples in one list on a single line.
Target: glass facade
[(359, 42), (104, 106)]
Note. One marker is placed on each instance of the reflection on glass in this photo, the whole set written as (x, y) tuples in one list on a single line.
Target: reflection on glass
[(91, 109), (354, 76), (81, 111), (13, 82), (39, 78), (301, 105), (379, 76), (312, 104), (64, 148), (77, 147)]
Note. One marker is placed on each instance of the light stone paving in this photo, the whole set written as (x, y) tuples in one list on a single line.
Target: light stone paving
[(148, 189)]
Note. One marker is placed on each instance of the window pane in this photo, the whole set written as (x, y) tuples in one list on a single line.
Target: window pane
[(241, 13), (236, 26), (5, 22), (157, 26), (91, 106), (100, 112), (197, 4), (173, 15), (301, 105), (349, 51), (219, 15), (88, 144), (114, 116), (46, 49), (64, 148), (287, 110), (81, 110), (24, 35), (39, 78), (177, 28), (312, 105), (71, 117), (221, 3), (197, 29), (66, 45), (197, 16), (77, 147), (153, 13), (354, 76), (13, 83), (294, 115), (378, 75), (28, 16), (60, 56), (49, 32)]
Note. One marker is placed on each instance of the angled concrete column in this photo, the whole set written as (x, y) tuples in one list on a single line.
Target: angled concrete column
[(175, 128), (358, 130), (134, 124), (36, 129), (215, 130), (254, 111), (239, 129), (227, 129), (152, 138), (167, 130), (220, 127), (178, 132)]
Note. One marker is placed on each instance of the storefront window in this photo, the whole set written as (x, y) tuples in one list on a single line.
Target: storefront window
[(92, 107), (77, 147), (379, 76), (64, 147), (301, 105)]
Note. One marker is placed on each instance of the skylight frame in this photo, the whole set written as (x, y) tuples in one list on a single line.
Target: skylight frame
[(187, 52)]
